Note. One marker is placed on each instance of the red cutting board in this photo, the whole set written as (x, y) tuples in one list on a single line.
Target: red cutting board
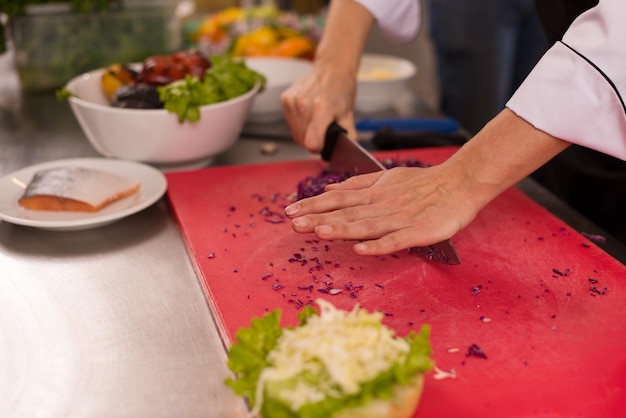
[(545, 305)]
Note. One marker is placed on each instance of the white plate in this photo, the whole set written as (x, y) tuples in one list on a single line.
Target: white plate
[(153, 186)]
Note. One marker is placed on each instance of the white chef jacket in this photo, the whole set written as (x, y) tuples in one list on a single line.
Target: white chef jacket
[(398, 19), (576, 92)]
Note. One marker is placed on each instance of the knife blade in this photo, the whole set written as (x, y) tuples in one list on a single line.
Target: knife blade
[(346, 156)]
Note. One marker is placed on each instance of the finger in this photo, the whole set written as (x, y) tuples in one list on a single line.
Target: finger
[(293, 118), (361, 181), (321, 117), (354, 222), (315, 134), (390, 243), (326, 202), (347, 122), (297, 108), (421, 232)]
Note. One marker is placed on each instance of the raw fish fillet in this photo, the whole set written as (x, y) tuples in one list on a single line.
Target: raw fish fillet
[(75, 189)]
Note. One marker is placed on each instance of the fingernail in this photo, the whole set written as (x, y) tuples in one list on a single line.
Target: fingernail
[(292, 209), (360, 246), (323, 229), (301, 222)]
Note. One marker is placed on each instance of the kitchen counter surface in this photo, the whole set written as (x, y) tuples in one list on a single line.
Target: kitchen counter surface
[(112, 322)]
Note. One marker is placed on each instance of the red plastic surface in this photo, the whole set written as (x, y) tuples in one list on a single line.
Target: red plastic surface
[(545, 305)]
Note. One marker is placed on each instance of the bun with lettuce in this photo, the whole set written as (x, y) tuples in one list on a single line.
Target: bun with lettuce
[(335, 363)]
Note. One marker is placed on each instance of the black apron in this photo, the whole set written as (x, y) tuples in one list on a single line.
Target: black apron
[(591, 182)]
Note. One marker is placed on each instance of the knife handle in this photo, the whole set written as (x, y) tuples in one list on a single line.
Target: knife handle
[(441, 125), (330, 139), (389, 139)]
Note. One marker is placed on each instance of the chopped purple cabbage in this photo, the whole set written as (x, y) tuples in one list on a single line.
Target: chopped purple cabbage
[(315, 185), (475, 351)]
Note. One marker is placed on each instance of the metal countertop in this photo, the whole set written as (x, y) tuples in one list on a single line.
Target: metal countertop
[(111, 322), (107, 322)]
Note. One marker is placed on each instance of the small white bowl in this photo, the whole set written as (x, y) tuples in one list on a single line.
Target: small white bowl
[(381, 80), (155, 136), (280, 74)]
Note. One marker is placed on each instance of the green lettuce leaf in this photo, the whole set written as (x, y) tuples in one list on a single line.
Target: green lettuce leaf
[(234, 77), (63, 94), (306, 312), (226, 79), (247, 356), (184, 97)]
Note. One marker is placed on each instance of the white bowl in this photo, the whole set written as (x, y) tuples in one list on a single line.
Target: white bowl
[(280, 74), (381, 80), (155, 136)]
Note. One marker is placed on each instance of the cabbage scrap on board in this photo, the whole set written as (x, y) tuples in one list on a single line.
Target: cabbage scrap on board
[(332, 361), (226, 79)]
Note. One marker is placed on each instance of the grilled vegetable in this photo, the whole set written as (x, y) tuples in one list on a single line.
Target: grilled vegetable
[(161, 70), (137, 96), (116, 76)]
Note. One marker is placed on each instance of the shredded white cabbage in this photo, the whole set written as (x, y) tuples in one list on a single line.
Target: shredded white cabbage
[(346, 348)]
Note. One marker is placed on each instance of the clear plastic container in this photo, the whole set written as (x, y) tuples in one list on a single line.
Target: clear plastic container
[(54, 45)]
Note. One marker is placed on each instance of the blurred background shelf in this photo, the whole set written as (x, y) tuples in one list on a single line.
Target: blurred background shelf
[(54, 44)]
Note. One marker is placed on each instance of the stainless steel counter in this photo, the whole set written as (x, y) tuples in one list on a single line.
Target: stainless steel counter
[(108, 322)]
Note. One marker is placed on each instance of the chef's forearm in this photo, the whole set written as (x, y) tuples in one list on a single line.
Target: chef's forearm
[(504, 152), (346, 30)]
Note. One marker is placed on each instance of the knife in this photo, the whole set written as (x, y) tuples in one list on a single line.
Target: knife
[(346, 156), (390, 139)]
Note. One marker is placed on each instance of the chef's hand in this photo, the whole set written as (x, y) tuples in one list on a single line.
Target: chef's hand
[(313, 102), (405, 207), (327, 93), (389, 210)]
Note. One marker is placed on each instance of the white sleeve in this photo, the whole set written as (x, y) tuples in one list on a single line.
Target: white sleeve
[(576, 92), (398, 19)]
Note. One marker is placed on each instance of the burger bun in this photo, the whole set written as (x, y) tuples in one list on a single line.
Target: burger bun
[(402, 405)]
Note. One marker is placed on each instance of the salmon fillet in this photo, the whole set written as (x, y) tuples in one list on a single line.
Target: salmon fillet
[(75, 189)]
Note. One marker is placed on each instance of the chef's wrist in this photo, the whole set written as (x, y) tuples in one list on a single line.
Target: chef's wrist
[(504, 152)]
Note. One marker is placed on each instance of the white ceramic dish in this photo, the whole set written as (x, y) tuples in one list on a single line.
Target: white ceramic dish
[(153, 186), (280, 74), (381, 80), (155, 136)]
